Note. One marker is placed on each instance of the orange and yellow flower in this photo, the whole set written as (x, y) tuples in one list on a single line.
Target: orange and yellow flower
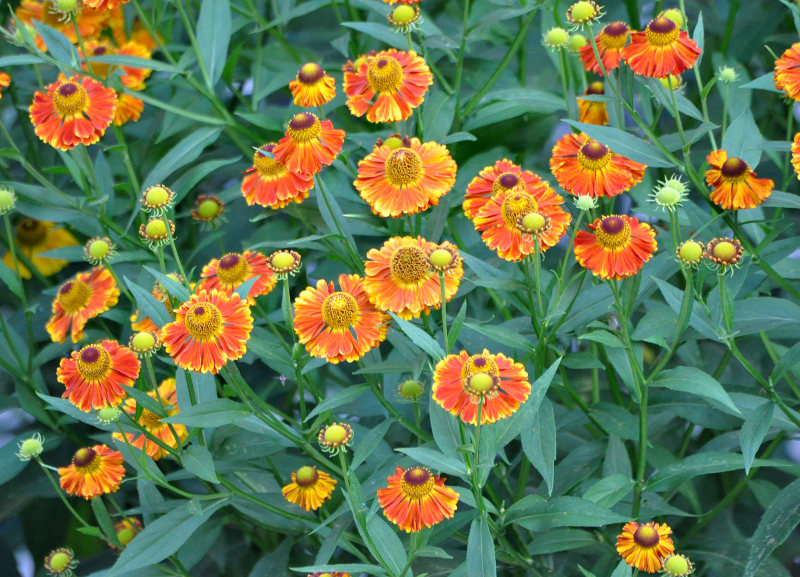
[(617, 247), (94, 471), (79, 299), (495, 382), (396, 80), (134, 77), (73, 111), (270, 184), (585, 167), (787, 72), (593, 111), (309, 144), (104, 4), (227, 273), (309, 488), (503, 176), (146, 324), (90, 22), (399, 277), (170, 436), (645, 545), (610, 42), (338, 325), (129, 109), (735, 184), (139, 32), (5, 82), (405, 180), (661, 49), (796, 154), (312, 87), (209, 329), (96, 376), (416, 499), (34, 237)]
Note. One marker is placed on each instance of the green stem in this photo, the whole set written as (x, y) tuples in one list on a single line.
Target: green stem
[(444, 314), (56, 486), (461, 51), (476, 472), (563, 73)]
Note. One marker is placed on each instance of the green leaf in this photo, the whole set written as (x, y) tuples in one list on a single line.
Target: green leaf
[(436, 461), (695, 382), (173, 287), (103, 519), (420, 338), (455, 328), (782, 200), (561, 540), (20, 59), (387, 543), (743, 139), (338, 399), (148, 305), (183, 153), (198, 461), (58, 45), (10, 279), (623, 143), (371, 441), (213, 37), (539, 443), (609, 491), (699, 464), (540, 515), (210, 414), (606, 338), (763, 82), (353, 568), (381, 32), (758, 314), (136, 62), (480, 550), (754, 430), (775, 526), (508, 429), (504, 336), (445, 428)]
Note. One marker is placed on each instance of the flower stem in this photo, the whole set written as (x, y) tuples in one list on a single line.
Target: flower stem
[(56, 486), (444, 314)]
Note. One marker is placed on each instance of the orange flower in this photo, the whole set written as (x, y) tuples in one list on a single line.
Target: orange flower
[(227, 273), (309, 144), (309, 488), (735, 184), (796, 154), (95, 377), (583, 166), (134, 77), (104, 4), (73, 111), (34, 237), (661, 49), (313, 87), (592, 111), (399, 277), (787, 71), (416, 499), (405, 180), (338, 325), (79, 299), (399, 79), (461, 382), (94, 471), (504, 175), (617, 247), (209, 329), (270, 184), (167, 397), (146, 324), (129, 108), (497, 220), (610, 42), (5, 81), (139, 33), (90, 21), (644, 545)]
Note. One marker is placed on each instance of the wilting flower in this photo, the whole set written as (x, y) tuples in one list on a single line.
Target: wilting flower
[(34, 237), (79, 299), (338, 325), (309, 488), (661, 49), (787, 72), (226, 274), (610, 42), (497, 383), (209, 329), (405, 180), (60, 562), (584, 166), (312, 87), (309, 144), (644, 545), (73, 111), (96, 376), (399, 277), (396, 80), (336, 437), (735, 184), (170, 435), (94, 471), (724, 252), (593, 111), (617, 247), (270, 184), (416, 499)]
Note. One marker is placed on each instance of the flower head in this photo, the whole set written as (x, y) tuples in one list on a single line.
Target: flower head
[(129, 108), (157, 199), (661, 49), (31, 447), (576, 42), (416, 498), (724, 252), (644, 545), (502, 176), (555, 38), (403, 17), (208, 208), (308, 145), (690, 252), (309, 488), (585, 202), (593, 111), (34, 237), (270, 184), (584, 11), (126, 530), (410, 389), (60, 562), (675, 565), (727, 74), (108, 415), (312, 86), (155, 233), (90, 22), (787, 72), (5, 82), (8, 200), (284, 263), (670, 194), (81, 298), (735, 184), (99, 250), (444, 257), (610, 42), (617, 247), (232, 270), (94, 471), (336, 437)]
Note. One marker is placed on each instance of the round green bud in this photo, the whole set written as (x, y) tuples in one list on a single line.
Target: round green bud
[(108, 414), (60, 562), (157, 196), (667, 196), (156, 228), (306, 475), (556, 37), (66, 5), (582, 11), (404, 14), (125, 536), (725, 250), (335, 434), (481, 383), (727, 74), (393, 142), (99, 249), (534, 221), (677, 566), (410, 389), (585, 202), (691, 251), (7, 200), (576, 42), (675, 15), (143, 341), (30, 448), (441, 258)]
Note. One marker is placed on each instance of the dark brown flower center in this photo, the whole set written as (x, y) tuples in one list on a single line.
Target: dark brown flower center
[(302, 121), (310, 73), (417, 482), (90, 355), (31, 232), (646, 536), (93, 363), (616, 29), (612, 225), (734, 168), (662, 25), (67, 90), (100, 50), (84, 457), (304, 127), (409, 265), (594, 150), (662, 32), (596, 88), (416, 476)]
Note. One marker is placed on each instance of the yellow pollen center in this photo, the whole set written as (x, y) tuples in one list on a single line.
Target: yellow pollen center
[(515, 205), (149, 420), (478, 364), (94, 363), (385, 74), (306, 476), (340, 310), (304, 127), (404, 166), (417, 483), (233, 269), (74, 295), (31, 232), (335, 434), (409, 265), (662, 32), (724, 250), (203, 321), (70, 99), (265, 165), (646, 536), (613, 232), (594, 156)]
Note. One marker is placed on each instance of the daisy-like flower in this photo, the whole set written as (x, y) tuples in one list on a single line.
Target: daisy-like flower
[(104, 4), (227, 273), (309, 144), (90, 21), (405, 180), (644, 545), (787, 72), (129, 109), (338, 325), (724, 252), (461, 382), (146, 324), (593, 111), (617, 247), (416, 499), (309, 488), (79, 299), (94, 471), (5, 82), (34, 237), (735, 184), (284, 263), (73, 111), (396, 80), (96, 376), (312, 87), (584, 166), (209, 329), (335, 438), (661, 49), (503, 176), (498, 220), (270, 184), (151, 422), (610, 42), (399, 277)]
